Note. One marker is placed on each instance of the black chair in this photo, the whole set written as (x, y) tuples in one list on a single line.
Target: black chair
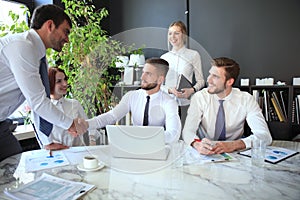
[(9, 144)]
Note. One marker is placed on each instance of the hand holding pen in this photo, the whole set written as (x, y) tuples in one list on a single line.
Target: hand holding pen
[(205, 146)]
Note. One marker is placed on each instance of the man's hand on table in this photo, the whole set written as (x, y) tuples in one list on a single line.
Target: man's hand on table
[(55, 146), (208, 147)]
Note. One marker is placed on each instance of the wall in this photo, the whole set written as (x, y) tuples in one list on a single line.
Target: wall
[(144, 22), (261, 35)]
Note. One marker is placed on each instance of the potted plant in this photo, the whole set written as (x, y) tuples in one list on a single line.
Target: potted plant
[(88, 58)]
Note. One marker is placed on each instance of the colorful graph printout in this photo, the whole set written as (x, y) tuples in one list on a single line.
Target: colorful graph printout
[(43, 160)]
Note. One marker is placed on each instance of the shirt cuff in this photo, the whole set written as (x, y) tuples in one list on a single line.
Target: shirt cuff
[(247, 142), (92, 124)]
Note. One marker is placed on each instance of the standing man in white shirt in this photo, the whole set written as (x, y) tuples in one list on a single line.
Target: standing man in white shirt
[(21, 57), (163, 109), (200, 130)]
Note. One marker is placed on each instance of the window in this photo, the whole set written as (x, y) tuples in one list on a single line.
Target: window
[(17, 8)]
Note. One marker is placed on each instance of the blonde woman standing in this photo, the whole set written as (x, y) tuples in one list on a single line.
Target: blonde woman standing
[(182, 61)]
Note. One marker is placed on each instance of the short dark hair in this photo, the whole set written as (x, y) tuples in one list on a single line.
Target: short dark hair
[(160, 64), (51, 74), (232, 68), (48, 12)]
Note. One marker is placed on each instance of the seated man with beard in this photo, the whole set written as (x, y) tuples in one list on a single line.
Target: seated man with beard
[(162, 109)]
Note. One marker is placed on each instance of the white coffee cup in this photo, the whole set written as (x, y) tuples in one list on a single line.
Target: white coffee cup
[(90, 162)]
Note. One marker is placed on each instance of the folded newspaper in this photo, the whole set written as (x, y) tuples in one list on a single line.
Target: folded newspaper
[(50, 187)]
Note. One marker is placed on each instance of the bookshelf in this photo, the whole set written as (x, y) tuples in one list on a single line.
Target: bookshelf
[(279, 109)]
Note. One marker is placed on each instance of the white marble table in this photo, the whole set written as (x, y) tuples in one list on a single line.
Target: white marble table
[(136, 179)]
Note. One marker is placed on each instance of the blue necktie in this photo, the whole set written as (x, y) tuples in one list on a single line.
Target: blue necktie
[(220, 130), (145, 121), (45, 126)]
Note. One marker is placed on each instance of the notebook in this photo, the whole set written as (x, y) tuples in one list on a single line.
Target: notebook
[(137, 142), (183, 82)]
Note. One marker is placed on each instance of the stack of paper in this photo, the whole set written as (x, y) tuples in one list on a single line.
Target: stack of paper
[(50, 187)]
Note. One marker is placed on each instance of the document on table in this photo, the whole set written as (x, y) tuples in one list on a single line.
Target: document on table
[(50, 187), (192, 156), (42, 160), (273, 154)]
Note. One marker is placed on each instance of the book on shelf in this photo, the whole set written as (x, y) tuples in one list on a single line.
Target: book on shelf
[(278, 107), (266, 105), (273, 114), (255, 94), (273, 154), (297, 107), (277, 110), (183, 82), (293, 112), (283, 104), (50, 187)]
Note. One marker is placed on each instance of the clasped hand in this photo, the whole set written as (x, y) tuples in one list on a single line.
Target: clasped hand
[(78, 127), (208, 147)]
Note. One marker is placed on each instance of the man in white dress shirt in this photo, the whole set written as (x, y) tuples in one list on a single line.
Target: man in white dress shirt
[(163, 110), (20, 78), (199, 128)]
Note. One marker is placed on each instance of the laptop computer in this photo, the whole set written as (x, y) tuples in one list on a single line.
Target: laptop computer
[(137, 142)]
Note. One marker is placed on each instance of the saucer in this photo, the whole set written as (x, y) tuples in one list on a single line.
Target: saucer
[(80, 167)]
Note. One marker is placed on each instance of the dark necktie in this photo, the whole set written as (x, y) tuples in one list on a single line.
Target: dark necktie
[(220, 130), (145, 122), (45, 126)]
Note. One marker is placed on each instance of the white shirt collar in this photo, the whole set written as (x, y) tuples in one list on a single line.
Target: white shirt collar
[(38, 42), (55, 102)]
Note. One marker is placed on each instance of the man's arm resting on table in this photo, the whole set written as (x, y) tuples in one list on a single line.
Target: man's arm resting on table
[(208, 147), (228, 146)]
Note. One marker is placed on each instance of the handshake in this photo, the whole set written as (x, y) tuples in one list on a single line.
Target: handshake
[(78, 127)]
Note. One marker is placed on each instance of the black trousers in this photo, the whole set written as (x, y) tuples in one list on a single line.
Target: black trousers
[(9, 145)]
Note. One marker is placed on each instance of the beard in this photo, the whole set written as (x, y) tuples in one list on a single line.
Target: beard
[(149, 86), (216, 90), (58, 46)]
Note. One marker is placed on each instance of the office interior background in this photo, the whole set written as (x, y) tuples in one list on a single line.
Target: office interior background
[(261, 35)]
